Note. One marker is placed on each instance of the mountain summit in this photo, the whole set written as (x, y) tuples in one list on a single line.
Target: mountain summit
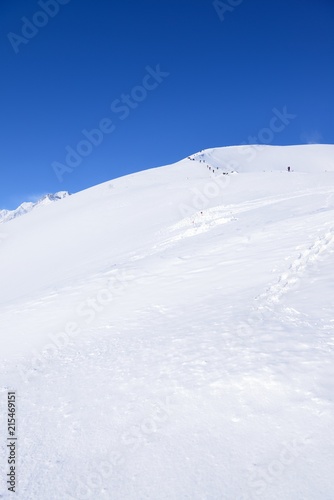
[(24, 208)]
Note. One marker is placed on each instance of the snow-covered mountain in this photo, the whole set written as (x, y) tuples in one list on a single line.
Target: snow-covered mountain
[(170, 333), (26, 207)]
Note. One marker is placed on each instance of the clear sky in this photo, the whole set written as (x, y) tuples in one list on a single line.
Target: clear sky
[(160, 79)]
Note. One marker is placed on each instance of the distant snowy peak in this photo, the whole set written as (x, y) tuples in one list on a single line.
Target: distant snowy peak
[(48, 198), (24, 208)]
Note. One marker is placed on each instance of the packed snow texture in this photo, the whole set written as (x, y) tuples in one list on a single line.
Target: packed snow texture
[(170, 334)]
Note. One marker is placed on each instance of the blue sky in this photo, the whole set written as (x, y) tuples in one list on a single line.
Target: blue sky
[(190, 75)]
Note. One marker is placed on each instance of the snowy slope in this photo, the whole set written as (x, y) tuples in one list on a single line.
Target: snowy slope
[(258, 158), (24, 208), (170, 333)]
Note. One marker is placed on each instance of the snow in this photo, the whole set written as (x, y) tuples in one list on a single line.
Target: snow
[(24, 208), (170, 333)]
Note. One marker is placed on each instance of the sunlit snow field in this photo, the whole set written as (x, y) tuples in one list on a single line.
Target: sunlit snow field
[(170, 334)]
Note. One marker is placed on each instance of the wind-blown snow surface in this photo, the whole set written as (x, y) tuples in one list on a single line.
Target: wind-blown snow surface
[(170, 334)]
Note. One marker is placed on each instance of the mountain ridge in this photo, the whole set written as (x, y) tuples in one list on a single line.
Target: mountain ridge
[(28, 206), (245, 158)]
